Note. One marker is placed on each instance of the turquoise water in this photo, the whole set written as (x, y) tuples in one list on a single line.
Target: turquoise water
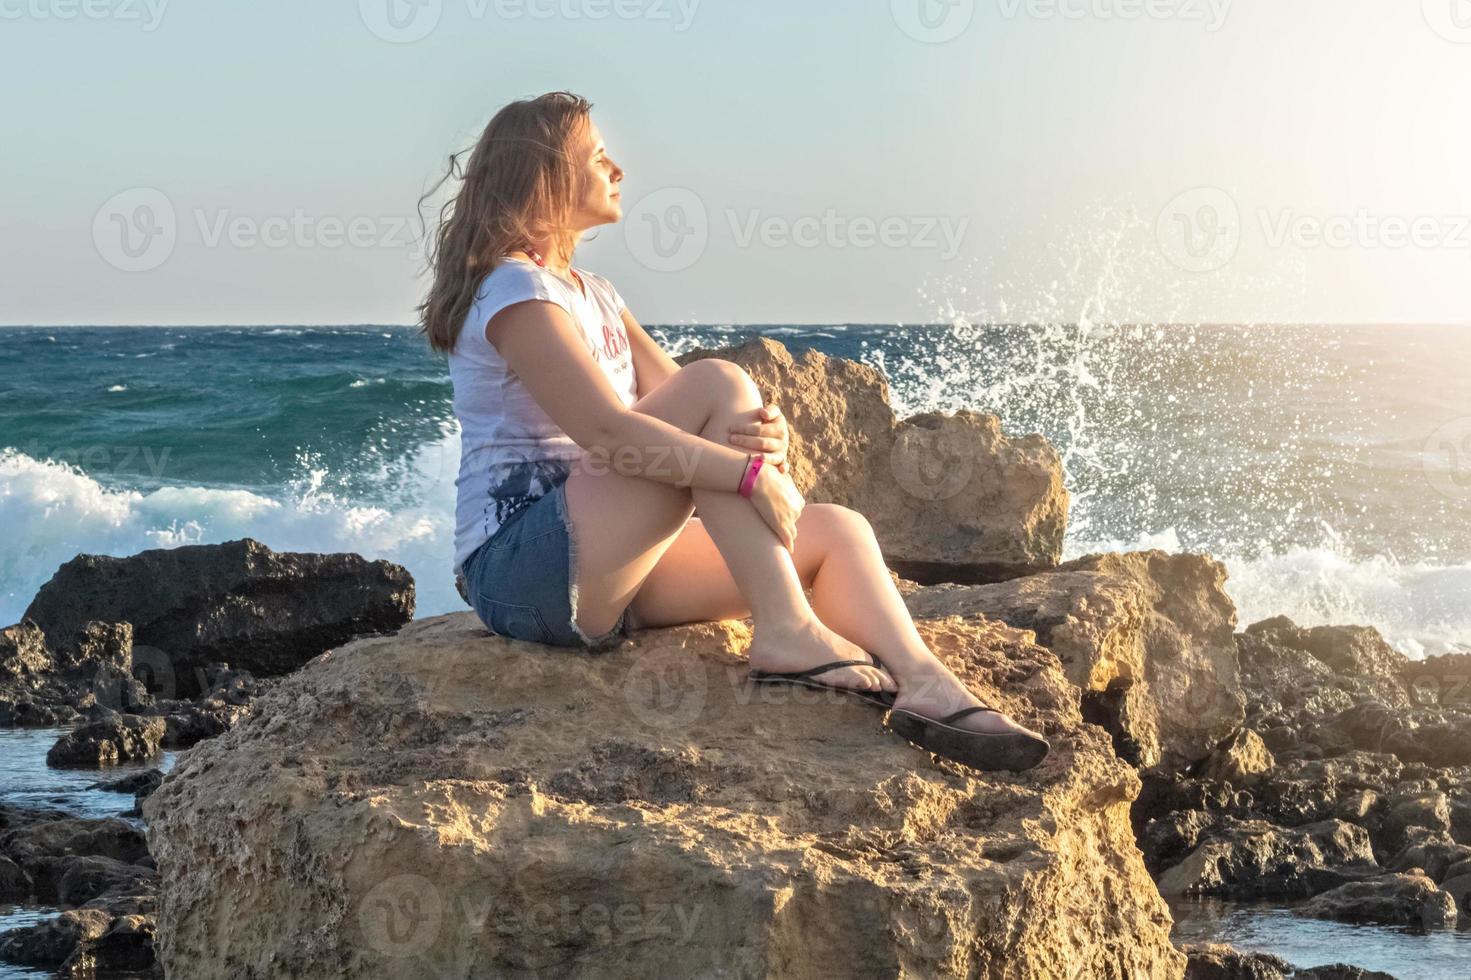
[(1304, 942)]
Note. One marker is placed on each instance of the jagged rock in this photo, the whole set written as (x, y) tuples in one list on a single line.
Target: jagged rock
[(91, 672), (117, 739), (1238, 759), (1310, 668), (240, 602), (137, 783), (45, 844), (1458, 887), (230, 697), (15, 884), (1216, 961), (1166, 840), (50, 943), (1147, 635), (88, 876), (1436, 856), (1255, 859), (104, 938), (950, 497), (644, 812), (1393, 899), (23, 653), (1431, 811)]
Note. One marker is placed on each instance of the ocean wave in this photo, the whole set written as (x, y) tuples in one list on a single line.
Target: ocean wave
[(65, 512), (1419, 607)]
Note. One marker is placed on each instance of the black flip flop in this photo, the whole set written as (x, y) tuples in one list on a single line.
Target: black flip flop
[(1010, 751), (803, 678)]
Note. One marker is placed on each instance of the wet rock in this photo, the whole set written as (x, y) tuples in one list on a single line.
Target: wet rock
[(137, 783), (90, 672), (950, 497), (655, 787), (104, 938), (49, 944), (1146, 635), (1393, 899), (238, 602), (45, 846), (1255, 859), (88, 876), (1430, 811), (15, 884), (120, 738), (1458, 887), (229, 698), (1217, 961)]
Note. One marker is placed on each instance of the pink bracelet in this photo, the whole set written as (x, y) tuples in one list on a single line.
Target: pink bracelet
[(748, 482)]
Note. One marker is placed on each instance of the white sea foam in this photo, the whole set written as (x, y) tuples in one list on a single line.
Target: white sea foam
[(117, 388), (64, 512)]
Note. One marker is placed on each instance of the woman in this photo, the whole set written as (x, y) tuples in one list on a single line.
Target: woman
[(586, 449)]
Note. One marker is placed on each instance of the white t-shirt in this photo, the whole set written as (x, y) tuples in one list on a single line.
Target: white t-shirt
[(511, 452)]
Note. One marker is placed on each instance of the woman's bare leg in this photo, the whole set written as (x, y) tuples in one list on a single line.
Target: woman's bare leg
[(838, 558), (624, 524)]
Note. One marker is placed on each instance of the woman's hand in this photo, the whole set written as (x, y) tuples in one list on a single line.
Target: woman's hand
[(763, 430), (779, 503)]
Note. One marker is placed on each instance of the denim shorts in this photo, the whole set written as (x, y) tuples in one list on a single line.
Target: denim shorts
[(520, 582)]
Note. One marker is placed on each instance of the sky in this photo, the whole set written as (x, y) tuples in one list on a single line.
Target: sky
[(205, 162)]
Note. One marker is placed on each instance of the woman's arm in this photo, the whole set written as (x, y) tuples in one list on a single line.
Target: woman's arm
[(651, 366)]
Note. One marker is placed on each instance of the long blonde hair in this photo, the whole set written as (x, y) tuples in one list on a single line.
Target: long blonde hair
[(519, 186)]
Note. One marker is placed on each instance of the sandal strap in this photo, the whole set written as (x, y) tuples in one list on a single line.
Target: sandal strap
[(820, 669), (964, 713)]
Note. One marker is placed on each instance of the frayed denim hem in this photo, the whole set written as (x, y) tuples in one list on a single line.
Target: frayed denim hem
[(619, 632)]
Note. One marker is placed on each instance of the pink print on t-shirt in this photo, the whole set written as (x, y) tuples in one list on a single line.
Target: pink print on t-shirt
[(615, 345)]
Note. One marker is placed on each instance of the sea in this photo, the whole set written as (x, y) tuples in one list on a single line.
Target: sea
[(1328, 467)]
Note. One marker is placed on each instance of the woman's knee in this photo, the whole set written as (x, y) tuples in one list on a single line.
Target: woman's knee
[(726, 383), (837, 523)]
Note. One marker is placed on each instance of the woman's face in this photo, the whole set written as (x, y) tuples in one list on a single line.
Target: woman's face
[(600, 202)]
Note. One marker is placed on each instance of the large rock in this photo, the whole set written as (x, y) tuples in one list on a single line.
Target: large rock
[(950, 497), (46, 845), (1215, 961), (448, 803), (1394, 899), (1147, 635), (1254, 859), (90, 672), (238, 603), (113, 740)]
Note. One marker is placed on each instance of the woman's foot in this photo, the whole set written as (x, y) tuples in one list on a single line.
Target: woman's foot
[(779, 650), (936, 693)]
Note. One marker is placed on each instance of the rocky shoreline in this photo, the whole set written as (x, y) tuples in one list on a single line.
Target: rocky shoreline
[(366, 794)]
